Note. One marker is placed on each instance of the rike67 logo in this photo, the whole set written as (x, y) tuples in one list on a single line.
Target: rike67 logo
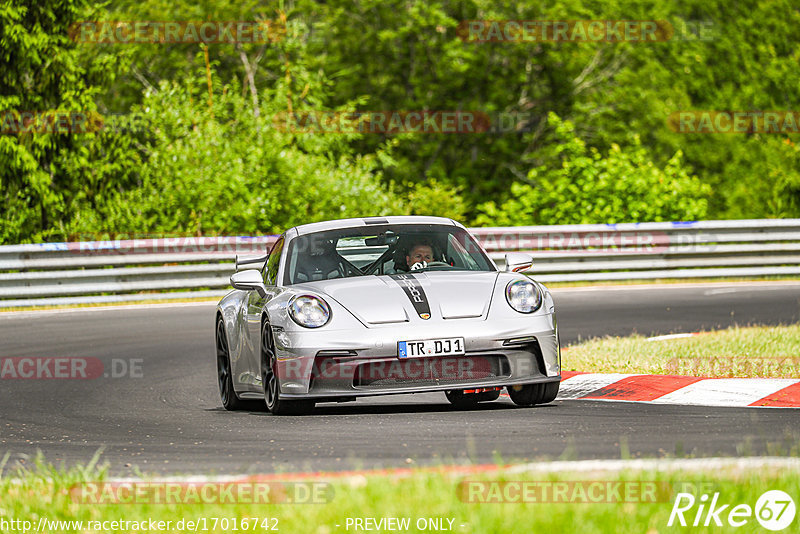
[(774, 510)]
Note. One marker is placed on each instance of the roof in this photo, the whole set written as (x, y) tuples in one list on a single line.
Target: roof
[(368, 221)]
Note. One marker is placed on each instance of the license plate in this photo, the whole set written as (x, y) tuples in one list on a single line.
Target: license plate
[(430, 347)]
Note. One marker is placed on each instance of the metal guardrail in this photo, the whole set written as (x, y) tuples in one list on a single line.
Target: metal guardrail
[(168, 268)]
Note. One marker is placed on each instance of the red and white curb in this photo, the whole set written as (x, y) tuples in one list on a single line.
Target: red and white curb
[(687, 390)]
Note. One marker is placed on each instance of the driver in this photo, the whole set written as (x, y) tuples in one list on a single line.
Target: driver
[(419, 255)]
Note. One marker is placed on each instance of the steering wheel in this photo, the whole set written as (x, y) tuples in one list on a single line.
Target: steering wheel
[(424, 265)]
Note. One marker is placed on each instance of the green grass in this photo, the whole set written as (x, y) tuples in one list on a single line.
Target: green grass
[(753, 352), (44, 491)]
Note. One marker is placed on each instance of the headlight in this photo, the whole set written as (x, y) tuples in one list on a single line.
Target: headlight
[(524, 296), (309, 311)]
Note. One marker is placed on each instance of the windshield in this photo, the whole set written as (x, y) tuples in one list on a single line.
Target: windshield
[(383, 249)]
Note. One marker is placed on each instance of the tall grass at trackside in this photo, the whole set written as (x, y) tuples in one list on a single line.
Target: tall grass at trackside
[(753, 352), (43, 491)]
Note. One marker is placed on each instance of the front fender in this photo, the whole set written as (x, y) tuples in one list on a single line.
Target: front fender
[(231, 308)]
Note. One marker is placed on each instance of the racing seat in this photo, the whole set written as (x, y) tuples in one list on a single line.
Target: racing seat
[(323, 264), (399, 257)]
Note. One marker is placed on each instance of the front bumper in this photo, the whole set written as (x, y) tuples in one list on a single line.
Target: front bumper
[(320, 364)]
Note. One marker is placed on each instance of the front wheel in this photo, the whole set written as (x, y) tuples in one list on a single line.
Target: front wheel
[(224, 376), (531, 394), (270, 378)]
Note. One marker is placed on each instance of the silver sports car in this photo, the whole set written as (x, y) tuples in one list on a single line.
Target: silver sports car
[(382, 305)]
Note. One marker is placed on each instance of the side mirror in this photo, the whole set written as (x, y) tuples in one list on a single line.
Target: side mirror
[(249, 280), (244, 260), (518, 261)]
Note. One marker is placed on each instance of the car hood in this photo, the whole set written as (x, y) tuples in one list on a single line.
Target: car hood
[(409, 297)]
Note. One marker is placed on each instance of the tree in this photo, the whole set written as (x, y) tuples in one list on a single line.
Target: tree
[(581, 185), (212, 165), (41, 169)]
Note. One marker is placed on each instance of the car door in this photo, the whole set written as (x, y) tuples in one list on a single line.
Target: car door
[(255, 305)]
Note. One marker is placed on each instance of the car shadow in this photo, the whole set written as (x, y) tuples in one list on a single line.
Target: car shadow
[(408, 408)]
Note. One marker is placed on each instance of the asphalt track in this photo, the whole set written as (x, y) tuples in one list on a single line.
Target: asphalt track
[(170, 419)]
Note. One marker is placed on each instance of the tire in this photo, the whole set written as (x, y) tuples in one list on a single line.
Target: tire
[(271, 380), (224, 375), (531, 394), (458, 398)]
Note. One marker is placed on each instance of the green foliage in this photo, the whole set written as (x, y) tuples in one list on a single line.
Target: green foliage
[(38, 73), (745, 59), (227, 169), (437, 198), (580, 185), (218, 169), (407, 55), (184, 161)]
